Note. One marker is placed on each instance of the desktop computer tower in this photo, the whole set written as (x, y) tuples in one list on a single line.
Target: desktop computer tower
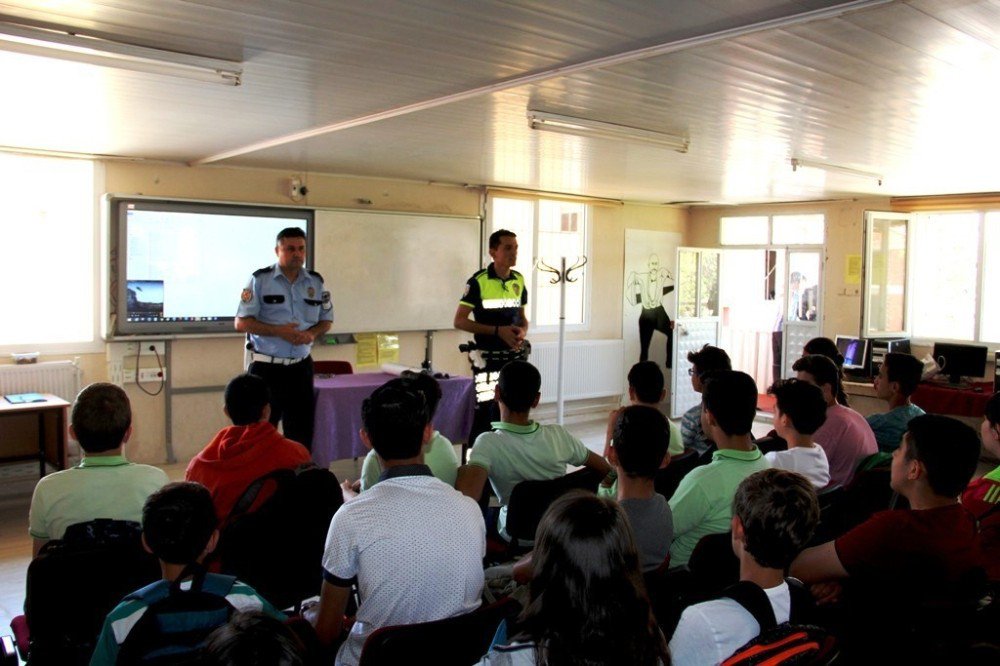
[(882, 346)]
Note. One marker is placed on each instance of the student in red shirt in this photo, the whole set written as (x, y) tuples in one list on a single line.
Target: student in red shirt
[(982, 497)]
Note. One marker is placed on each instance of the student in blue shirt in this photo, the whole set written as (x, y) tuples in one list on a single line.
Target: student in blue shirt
[(896, 381)]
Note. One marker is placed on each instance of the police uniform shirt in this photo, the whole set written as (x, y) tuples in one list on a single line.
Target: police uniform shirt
[(495, 302), (270, 298)]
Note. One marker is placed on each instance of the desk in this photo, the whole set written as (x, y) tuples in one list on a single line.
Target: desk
[(937, 399), (338, 413), (54, 407)]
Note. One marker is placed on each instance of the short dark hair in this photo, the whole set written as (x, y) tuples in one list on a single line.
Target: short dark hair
[(992, 411), (290, 232), (709, 359), (802, 402), (518, 384), (949, 450), (395, 417), (823, 370), (101, 416), (253, 639), (640, 437), (906, 369), (497, 235), (779, 512), (646, 379), (245, 398), (731, 397), (825, 347), (178, 520), (427, 386)]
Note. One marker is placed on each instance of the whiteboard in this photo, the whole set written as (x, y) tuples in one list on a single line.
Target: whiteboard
[(390, 272)]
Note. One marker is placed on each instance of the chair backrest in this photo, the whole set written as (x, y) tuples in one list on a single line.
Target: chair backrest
[(771, 443), (278, 548), (713, 564), (668, 478), (453, 641), (75, 582), (530, 499), (333, 367), (832, 514)]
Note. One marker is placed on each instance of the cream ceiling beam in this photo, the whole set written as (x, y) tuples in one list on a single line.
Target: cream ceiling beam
[(551, 73)]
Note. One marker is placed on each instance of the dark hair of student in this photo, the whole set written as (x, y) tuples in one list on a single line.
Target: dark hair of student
[(906, 369), (253, 639), (100, 417), (640, 438), (245, 398), (497, 235), (427, 386), (178, 520), (992, 412), (828, 348), (949, 450), (824, 371), (395, 417), (779, 512), (731, 396), (588, 600), (709, 359), (290, 232), (518, 384), (802, 402), (646, 379)]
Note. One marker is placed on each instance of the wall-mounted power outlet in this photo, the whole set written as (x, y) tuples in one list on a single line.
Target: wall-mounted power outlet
[(145, 375)]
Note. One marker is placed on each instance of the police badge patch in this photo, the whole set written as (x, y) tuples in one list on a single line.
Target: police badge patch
[(517, 289), (312, 292), (246, 296)]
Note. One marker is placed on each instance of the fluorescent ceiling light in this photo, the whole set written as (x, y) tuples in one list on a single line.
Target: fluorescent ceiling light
[(553, 122), (810, 164), (66, 45)]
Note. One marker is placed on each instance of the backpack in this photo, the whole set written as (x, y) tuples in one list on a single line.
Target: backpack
[(177, 621), (785, 643)]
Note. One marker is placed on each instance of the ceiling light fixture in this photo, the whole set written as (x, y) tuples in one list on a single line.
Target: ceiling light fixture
[(553, 122), (810, 164), (66, 45)]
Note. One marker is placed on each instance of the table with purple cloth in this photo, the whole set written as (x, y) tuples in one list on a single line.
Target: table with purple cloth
[(338, 412)]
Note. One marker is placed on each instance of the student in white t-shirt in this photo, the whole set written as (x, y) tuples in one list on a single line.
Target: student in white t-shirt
[(799, 412)]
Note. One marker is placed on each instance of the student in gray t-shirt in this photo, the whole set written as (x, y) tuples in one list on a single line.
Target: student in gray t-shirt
[(639, 443)]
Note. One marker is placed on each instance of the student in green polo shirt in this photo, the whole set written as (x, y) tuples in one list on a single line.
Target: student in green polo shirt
[(520, 449), (104, 484), (703, 502)]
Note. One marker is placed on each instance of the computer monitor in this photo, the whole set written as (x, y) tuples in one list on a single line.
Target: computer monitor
[(854, 350), (959, 361)]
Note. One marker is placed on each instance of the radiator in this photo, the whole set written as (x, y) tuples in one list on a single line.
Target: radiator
[(61, 378), (591, 368)]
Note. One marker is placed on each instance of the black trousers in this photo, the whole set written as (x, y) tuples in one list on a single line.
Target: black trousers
[(655, 319), (293, 401)]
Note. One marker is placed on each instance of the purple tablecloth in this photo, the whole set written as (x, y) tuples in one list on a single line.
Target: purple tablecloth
[(338, 413)]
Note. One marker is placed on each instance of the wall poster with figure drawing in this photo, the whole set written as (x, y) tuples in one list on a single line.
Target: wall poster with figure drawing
[(648, 310)]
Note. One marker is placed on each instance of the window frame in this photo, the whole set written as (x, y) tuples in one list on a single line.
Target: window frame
[(769, 241)]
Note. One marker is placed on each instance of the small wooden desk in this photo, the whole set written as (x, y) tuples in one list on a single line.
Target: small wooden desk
[(53, 407)]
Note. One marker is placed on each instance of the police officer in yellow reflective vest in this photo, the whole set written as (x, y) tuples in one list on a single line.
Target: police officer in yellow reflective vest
[(496, 297)]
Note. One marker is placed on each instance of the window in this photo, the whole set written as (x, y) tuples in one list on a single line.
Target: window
[(546, 231), (926, 277), (48, 220), (773, 230)]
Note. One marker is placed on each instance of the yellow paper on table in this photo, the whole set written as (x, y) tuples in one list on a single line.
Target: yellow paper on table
[(367, 350), (388, 348)]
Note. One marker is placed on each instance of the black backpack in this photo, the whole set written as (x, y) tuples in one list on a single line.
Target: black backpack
[(177, 621), (785, 643)]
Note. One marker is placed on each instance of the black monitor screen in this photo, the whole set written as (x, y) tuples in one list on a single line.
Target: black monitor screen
[(959, 361), (854, 351)]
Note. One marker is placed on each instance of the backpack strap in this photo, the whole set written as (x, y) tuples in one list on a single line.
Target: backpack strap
[(249, 495), (754, 599)]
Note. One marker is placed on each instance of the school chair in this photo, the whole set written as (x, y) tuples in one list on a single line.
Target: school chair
[(668, 478), (530, 499), (333, 368)]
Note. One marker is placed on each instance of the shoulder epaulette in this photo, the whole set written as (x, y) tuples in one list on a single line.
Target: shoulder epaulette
[(316, 275), (482, 271), (515, 273), (261, 271)]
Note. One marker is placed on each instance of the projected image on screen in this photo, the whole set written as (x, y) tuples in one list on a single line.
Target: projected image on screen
[(144, 300)]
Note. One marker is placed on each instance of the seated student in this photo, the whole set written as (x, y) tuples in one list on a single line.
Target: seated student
[(799, 412), (414, 545), (703, 502), (827, 347), (705, 360), (775, 513), (439, 454), (588, 600), (104, 484), (904, 556), (179, 528), (896, 381), (520, 449), (982, 497), (845, 436), (246, 450)]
